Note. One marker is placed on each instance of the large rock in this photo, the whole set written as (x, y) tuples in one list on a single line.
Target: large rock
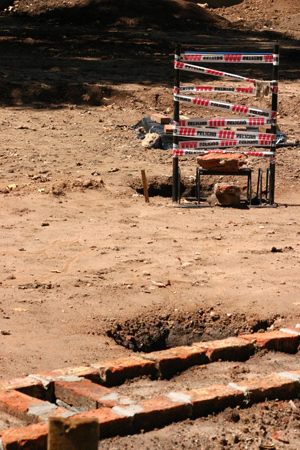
[(229, 162), (227, 194), (151, 140)]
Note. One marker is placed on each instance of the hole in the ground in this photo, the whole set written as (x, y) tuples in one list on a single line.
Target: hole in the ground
[(155, 331), (162, 187)]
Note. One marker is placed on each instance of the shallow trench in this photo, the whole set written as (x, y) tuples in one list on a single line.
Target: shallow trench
[(158, 332)]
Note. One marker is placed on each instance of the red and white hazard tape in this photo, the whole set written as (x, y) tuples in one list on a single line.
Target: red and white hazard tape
[(211, 133), (252, 122), (198, 145), (216, 73), (212, 104), (245, 90), (177, 152), (222, 89), (228, 57)]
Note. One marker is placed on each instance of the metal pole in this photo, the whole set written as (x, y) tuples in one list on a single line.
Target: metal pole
[(274, 126), (176, 120)]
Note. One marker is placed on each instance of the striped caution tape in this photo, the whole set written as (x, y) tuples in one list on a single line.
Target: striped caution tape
[(222, 89), (256, 58), (221, 134), (245, 90), (197, 145), (216, 73), (251, 121), (212, 104), (180, 152)]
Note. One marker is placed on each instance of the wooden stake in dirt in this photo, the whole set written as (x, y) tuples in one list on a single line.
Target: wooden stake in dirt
[(73, 434), (145, 186)]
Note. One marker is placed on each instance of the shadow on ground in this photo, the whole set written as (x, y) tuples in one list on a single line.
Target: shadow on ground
[(75, 55)]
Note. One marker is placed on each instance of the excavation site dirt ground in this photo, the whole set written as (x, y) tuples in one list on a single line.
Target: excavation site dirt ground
[(86, 263)]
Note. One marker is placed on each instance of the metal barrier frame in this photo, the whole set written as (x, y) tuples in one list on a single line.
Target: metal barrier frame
[(270, 178)]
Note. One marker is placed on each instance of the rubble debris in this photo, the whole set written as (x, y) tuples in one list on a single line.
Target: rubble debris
[(151, 140), (227, 194)]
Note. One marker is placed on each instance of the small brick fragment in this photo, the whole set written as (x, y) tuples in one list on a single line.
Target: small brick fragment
[(214, 399), (274, 340), (177, 359), (229, 349), (115, 371), (33, 437), (281, 437)]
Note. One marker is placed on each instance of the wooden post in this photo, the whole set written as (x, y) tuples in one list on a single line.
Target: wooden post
[(73, 434), (145, 186)]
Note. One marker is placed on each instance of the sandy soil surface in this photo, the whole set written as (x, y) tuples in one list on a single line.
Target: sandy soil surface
[(82, 254)]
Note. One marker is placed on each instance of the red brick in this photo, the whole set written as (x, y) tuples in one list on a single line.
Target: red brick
[(269, 387), (174, 360), (168, 129), (221, 163), (84, 371), (161, 411), (160, 118), (230, 349), (110, 424), (86, 395), (33, 437), (27, 385), (274, 340), (26, 407), (214, 399), (17, 404), (116, 371)]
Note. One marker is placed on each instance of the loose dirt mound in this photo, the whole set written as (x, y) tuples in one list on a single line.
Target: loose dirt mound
[(130, 13)]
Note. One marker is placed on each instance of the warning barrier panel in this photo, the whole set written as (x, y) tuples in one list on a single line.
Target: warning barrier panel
[(222, 89), (228, 122), (224, 143), (256, 58), (180, 152), (213, 104), (205, 70), (211, 133), (241, 90)]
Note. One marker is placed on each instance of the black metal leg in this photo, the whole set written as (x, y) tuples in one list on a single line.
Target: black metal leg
[(178, 186)]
